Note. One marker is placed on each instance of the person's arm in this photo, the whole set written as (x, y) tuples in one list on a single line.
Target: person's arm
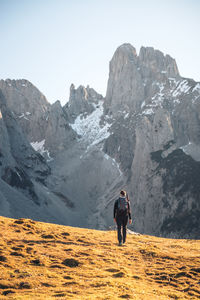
[(129, 213)]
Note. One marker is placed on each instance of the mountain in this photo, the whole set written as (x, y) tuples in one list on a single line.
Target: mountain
[(142, 137), (45, 125), (23, 175), (160, 112)]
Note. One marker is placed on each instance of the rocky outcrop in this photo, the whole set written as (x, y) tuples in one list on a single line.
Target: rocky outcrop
[(29, 106), (45, 125), (157, 117), (19, 162), (23, 176), (81, 101), (58, 134), (131, 77), (153, 63)]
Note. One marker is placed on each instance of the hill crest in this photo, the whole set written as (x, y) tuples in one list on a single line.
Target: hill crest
[(47, 261)]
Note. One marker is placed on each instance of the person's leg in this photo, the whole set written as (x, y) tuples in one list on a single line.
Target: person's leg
[(125, 221), (119, 229)]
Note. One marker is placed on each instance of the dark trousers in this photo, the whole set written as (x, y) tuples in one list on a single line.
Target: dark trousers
[(121, 227)]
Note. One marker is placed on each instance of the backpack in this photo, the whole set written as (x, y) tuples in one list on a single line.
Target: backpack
[(122, 205)]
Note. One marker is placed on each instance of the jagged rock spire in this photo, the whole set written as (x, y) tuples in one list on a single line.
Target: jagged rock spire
[(131, 76)]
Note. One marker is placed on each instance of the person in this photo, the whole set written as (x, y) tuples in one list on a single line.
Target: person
[(122, 213)]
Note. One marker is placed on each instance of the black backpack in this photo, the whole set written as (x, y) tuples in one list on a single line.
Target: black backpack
[(122, 205)]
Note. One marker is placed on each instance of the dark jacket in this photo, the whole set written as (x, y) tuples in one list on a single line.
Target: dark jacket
[(115, 212)]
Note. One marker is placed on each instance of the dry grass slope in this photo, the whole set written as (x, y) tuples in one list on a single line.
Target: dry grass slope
[(46, 261)]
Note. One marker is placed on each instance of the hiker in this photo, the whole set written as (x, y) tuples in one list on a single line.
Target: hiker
[(122, 213)]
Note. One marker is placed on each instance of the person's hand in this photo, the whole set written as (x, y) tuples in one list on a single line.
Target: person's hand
[(130, 221), (114, 220)]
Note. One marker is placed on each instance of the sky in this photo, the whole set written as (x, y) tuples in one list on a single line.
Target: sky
[(54, 43)]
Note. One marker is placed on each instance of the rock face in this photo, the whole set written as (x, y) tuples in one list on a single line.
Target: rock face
[(143, 137), (81, 101), (161, 119), (131, 77), (45, 125), (23, 176)]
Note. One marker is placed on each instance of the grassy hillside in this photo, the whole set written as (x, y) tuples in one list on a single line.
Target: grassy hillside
[(46, 261)]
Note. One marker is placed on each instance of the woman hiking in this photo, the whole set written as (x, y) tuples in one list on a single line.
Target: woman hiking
[(122, 213)]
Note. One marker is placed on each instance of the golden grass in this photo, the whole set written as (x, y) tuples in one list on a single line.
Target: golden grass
[(47, 261)]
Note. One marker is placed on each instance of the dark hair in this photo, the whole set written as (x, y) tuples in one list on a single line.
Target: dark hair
[(123, 193)]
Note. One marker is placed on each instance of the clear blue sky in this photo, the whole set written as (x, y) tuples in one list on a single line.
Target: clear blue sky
[(54, 43)]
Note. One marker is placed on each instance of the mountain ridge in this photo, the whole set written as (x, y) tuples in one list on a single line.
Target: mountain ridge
[(131, 139)]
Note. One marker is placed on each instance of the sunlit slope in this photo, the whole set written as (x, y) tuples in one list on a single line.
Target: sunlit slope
[(46, 261)]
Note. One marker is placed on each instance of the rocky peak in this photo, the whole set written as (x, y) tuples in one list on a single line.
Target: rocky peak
[(157, 62), (81, 101), (124, 54), (58, 134), (44, 125), (132, 77), (125, 88), (23, 97)]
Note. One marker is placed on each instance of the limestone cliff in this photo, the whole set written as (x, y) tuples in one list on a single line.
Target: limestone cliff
[(155, 127), (44, 125)]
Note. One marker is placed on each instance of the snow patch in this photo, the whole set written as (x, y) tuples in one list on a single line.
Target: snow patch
[(89, 127), (39, 147), (181, 87), (186, 147), (192, 150), (158, 98), (24, 115), (148, 111), (114, 163), (143, 104), (196, 98), (126, 116), (197, 87), (177, 101), (19, 176), (106, 156)]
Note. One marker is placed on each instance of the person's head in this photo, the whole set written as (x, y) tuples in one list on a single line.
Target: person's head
[(123, 193)]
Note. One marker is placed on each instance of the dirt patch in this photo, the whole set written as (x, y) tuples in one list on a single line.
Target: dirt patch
[(60, 295), (3, 258), (24, 285), (126, 296), (119, 275), (5, 293), (15, 253), (67, 277), (71, 262), (65, 234), (19, 221), (46, 284), (47, 236), (36, 262), (112, 270)]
